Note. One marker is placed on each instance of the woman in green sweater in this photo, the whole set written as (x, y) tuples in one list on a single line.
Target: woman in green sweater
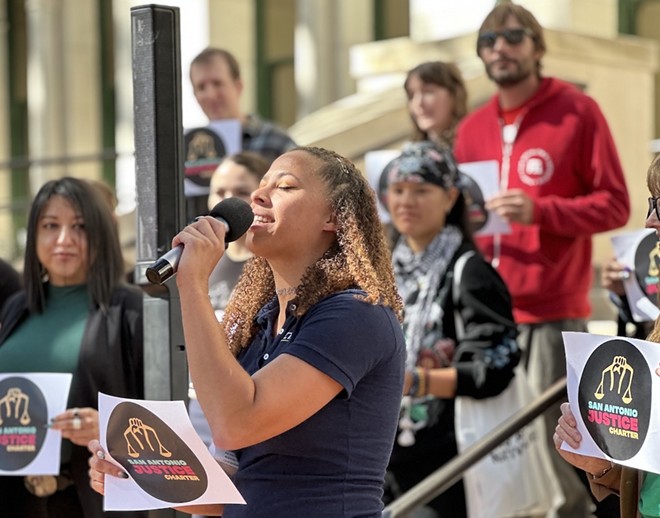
[(75, 316), (639, 491)]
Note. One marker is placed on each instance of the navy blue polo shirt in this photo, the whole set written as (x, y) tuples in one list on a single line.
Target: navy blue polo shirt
[(332, 464)]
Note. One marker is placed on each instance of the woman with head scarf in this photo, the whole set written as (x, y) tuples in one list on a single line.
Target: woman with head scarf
[(421, 189)]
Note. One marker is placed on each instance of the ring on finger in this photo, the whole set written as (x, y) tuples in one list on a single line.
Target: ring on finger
[(76, 413), (76, 423)]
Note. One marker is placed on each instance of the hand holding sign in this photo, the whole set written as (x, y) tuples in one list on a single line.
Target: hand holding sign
[(612, 276), (165, 463), (611, 384), (513, 206), (637, 252), (567, 432), (79, 425), (99, 467)]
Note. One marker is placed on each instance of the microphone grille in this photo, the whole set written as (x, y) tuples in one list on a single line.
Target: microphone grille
[(237, 214)]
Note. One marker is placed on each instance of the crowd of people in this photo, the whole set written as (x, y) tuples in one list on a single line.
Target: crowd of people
[(334, 368)]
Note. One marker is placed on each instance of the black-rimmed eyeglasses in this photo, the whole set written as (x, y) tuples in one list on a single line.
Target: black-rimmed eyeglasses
[(511, 36), (653, 205)]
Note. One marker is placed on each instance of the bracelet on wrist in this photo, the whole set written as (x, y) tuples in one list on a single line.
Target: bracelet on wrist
[(421, 389), (414, 384), (424, 391)]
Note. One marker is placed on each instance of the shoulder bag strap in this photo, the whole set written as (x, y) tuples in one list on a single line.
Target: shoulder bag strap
[(458, 273)]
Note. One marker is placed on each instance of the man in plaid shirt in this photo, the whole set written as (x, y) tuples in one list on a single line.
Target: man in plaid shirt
[(216, 79)]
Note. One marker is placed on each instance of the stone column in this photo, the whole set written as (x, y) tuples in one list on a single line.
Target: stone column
[(325, 31)]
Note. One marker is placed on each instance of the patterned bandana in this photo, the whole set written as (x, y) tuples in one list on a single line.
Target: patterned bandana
[(421, 162)]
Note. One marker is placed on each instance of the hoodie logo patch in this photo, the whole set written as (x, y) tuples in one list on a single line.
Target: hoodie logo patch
[(535, 167)]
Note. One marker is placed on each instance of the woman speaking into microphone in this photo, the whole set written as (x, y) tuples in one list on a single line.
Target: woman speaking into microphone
[(303, 379)]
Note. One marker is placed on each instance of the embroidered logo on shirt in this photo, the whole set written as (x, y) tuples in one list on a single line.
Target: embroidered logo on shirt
[(535, 167), (287, 337)]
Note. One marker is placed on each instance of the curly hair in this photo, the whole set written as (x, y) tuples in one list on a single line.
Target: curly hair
[(359, 257)]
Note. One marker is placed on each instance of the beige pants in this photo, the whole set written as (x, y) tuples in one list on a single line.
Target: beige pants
[(543, 355)]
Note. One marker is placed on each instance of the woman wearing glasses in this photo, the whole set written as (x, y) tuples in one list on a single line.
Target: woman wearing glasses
[(613, 275), (639, 492)]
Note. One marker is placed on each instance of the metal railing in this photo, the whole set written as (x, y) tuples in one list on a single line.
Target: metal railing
[(447, 475)]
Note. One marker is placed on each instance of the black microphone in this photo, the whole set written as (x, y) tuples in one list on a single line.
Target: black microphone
[(233, 212)]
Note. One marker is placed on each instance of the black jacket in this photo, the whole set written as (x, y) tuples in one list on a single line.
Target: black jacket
[(110, 362), (484, 305), (10, 282)]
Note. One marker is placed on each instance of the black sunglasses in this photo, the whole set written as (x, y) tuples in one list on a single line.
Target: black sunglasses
[(511, 36), (653, 205)]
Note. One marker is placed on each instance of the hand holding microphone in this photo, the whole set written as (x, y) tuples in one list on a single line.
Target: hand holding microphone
[(237, 217)]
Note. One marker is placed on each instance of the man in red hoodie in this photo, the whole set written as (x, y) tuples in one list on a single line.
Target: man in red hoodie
[(561, 182)]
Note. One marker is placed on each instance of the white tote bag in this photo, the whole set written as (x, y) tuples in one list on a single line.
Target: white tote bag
[(516, 478)]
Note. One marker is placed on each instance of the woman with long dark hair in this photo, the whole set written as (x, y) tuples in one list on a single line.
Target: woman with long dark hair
[(75, 315)]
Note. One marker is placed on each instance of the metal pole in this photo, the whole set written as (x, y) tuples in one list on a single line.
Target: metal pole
[(446, 476), (160, 207)]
